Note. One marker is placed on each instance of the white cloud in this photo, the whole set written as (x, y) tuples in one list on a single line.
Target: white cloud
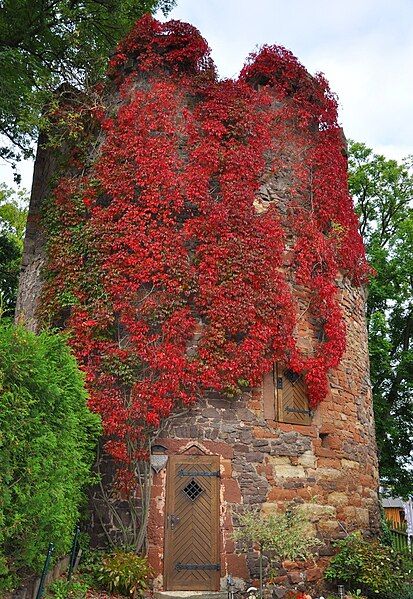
[(365, 48)]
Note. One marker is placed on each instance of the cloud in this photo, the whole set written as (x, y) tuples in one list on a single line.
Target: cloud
[(364, 47)]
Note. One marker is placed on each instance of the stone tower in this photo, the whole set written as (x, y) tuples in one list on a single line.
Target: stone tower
[(269, 444)]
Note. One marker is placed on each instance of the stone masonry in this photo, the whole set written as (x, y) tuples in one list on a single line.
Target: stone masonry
[(329, 466)]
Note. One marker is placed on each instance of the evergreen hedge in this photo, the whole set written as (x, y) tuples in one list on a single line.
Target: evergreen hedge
[(47, 443)]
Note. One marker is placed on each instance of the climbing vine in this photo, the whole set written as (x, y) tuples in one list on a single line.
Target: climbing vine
[(169, 276)]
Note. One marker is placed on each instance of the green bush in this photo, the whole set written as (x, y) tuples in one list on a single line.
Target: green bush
[(287, 535), (90, 564), (125, 572), (47, 440), (404, 592), (64, 589), (374, 568)]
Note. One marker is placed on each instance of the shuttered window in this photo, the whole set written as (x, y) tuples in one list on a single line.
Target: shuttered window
[(285, 397)]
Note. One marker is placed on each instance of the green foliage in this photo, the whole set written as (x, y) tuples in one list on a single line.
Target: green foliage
[(373, 568), (44, 43), (404, 592), (288, 535), (383, 191), (64, 589), (385, 532), (13, 215), (125, 572), (47, 444), (90, 564), (84, 578), (10, 258)]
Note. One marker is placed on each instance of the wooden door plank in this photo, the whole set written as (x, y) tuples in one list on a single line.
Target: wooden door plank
[(292, 400), (195, 539)]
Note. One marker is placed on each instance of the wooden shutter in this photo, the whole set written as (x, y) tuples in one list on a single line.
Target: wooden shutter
[(292, 401), (269, 395)]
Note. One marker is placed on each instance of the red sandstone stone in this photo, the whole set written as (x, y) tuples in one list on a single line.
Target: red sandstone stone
[(325, 452), (295, 577), (263, 433), (237, 566), (232, 492), (279, 494), (289, 565), (280, 579), (154, 558), (226, 468), (314, 574)]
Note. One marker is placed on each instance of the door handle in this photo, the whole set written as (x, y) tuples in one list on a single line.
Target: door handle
[(172, 519)]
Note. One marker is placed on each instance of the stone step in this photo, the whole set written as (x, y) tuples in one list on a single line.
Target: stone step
[(191, 595)]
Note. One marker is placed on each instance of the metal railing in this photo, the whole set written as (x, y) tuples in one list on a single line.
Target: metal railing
[(74, 553)]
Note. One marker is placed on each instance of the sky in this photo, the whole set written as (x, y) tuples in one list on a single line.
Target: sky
[(364, 47)]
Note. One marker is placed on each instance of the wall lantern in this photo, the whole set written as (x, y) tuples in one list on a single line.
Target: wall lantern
[(159, 458)]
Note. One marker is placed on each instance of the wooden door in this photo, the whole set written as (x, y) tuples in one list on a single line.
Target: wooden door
[(192, 557)]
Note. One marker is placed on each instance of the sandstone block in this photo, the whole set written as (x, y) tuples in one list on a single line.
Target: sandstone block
[(288, 471), (350, 464), (362, 517), (314, 574), (307, 459), (237, 565), (316, 511), (295, 577), (330, 474), (226, 468), (232, 492), (338, 499), (328, 527), (278, 460)]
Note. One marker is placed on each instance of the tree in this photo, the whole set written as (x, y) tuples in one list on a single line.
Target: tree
[(47, 446), (44, 43), (383, 191), (13, 215)]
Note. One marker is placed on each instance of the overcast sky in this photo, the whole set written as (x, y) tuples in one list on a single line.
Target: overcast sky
[(364, 47)]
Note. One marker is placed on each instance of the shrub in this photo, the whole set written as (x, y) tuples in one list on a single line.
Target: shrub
[(90, 564), (64, 589), (374, 568), (125, 572), (286, 535), (47, 444), (404, 592)]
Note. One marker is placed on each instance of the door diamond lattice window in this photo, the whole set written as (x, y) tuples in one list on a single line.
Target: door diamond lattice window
[(193, 490)]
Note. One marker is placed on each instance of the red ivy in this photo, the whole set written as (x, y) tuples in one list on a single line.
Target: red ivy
[(168, 277)]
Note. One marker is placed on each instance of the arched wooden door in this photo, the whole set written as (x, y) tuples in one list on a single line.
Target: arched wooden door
[(192, 556)]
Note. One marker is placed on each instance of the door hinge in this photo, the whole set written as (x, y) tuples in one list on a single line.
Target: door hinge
[(180, 566), (202, 473), (298, 411)]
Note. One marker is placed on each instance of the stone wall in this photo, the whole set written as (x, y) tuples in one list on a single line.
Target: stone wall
[(329, 466), (34, 254)]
